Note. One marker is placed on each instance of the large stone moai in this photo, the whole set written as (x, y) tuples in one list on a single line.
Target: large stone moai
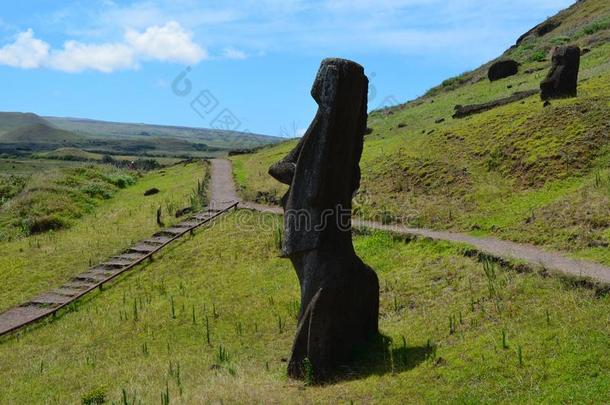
[(562, 80), (502, 69), (339, 293)]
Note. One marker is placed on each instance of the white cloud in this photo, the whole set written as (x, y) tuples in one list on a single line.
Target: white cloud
[(106, 58), (119, 35), (234, 53), (170, 43), (26, 52), (166, 43)]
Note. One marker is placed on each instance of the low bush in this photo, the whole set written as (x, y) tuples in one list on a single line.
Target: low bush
[(10, 186), (95, 397), (44, 224), (596, 26), (538, 56)]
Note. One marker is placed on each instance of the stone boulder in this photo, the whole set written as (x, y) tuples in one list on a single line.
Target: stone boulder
[(502, 69), (562, 80)]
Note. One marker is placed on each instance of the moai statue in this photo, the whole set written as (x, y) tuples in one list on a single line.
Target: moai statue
[(339, 293), (562, 80)]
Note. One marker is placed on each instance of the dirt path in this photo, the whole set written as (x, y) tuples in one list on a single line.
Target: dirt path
[(223, 189)]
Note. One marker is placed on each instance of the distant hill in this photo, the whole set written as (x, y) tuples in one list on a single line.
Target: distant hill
[(27, 133), (115, 130), (40, 133), (10, 121)]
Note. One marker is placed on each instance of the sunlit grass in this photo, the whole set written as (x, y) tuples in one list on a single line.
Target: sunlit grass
[(207, 330), (503, 172), (32, 265)]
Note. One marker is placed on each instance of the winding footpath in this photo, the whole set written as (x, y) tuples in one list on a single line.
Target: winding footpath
[(223, 189)]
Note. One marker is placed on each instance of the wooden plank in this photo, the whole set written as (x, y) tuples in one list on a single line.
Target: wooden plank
[(51, 299), (18, 317), (50, 302)]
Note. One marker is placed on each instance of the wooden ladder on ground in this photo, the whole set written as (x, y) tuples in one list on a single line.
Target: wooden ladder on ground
[(51, 302)]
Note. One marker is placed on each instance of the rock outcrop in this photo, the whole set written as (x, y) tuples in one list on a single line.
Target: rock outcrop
[(562, 80), (339, 293)]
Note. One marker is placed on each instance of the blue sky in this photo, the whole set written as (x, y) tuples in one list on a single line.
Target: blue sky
[(187, 62)]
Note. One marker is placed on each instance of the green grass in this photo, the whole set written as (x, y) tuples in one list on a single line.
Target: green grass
[(460, 334), (31, 265), (250, 171), (76, 154), (53, 199), (517, 172), (25, 167)]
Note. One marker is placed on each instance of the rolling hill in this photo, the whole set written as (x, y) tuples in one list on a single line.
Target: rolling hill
[(41, 133), (27, 133), (10, 121), (523, 171), (115, 130)]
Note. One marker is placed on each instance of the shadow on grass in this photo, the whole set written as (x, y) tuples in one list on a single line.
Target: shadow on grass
[(382, 356)]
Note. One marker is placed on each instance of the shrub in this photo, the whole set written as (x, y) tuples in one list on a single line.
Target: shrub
[(10, 186), (538, 56), (43, 224), (599, 25), (560, 40), (98, 190), (121, 180), (50, 200), (94, 397)]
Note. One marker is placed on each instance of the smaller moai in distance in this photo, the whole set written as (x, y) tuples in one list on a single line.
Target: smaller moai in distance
[(502, 69), (562, 80)]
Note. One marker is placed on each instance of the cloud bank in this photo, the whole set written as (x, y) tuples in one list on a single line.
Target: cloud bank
[(165, 43), (26, 52)]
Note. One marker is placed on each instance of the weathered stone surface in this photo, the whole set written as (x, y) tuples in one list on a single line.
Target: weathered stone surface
[(562, 80), (502, 69), (462, 111), (540, 30), (339, 293)]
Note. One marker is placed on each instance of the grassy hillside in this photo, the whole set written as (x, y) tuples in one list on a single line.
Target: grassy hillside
[(458, 336), (523, 171), (10, 121), (31, 265), (211, 137), (40, 133), (26, 134), (76, 154), (53, 199), (25, 167)]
